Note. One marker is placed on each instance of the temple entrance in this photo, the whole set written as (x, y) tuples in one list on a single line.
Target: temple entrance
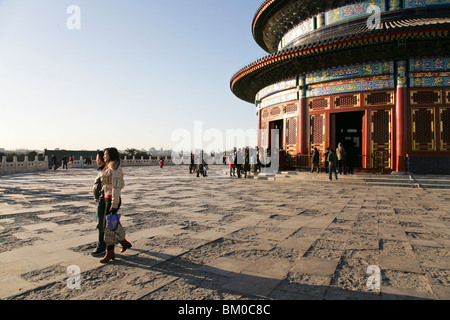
[(348, 129), (277, 125)]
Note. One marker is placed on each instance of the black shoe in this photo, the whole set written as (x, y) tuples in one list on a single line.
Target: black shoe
[(98, 252)]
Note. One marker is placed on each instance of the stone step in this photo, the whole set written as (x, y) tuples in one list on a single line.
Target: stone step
[(383, 180), (435, 186)]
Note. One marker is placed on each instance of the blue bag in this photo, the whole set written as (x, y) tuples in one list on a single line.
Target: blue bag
[(113, 221)]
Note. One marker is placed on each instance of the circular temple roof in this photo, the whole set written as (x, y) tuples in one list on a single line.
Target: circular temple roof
[(276, 17), (403, 33)]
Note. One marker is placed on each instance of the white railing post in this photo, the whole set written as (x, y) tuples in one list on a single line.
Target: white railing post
[(15, 164), (25, 164), (3, 169)]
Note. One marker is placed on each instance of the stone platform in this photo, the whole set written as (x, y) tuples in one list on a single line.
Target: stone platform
[(224, 238)]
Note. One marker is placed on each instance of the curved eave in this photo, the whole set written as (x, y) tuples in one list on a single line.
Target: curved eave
[(271, 11), (422, 40), (261, 15)]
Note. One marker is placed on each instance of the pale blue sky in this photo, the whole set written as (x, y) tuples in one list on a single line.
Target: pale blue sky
[(136, 71)]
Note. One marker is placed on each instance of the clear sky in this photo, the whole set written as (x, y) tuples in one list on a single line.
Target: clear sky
[(131, 74)]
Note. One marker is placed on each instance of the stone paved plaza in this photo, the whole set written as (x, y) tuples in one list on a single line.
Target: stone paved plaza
[(225, 238)]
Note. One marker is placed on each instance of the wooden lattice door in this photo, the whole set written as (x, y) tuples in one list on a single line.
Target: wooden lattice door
[(423, 129), (381, 138)]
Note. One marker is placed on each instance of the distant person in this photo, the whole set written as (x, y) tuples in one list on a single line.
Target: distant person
[(341, 156), (246, 163), (326, 159), (332, 163), (282, 159), (258, 160), (315, 161), (100, 206), (253, 161), (205, 168), (54, 162), (199, 164), (238, 163), (161, 162), (231, 164), (192, 164), (64, 162)]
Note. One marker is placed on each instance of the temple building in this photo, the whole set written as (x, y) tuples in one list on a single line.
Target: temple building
[(372, 75)]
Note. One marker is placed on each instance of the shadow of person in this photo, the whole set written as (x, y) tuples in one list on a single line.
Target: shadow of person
[(225, 283)]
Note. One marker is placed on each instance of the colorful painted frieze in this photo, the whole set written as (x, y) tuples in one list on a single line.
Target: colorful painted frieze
[(343, 72), (423, 3), (429, 72), (357, 85), (429, 64), (428, 80), (352, 11)]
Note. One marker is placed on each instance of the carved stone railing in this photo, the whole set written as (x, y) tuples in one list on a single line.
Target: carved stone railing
[(15, 166)]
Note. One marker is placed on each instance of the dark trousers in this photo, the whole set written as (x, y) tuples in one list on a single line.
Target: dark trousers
[(100, 215), (332, 169)]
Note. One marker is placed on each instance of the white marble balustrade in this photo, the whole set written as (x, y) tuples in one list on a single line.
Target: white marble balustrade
[(32, 166)]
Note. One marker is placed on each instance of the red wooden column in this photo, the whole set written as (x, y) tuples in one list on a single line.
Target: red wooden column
[(303, 147), (400, 116), (258, 115)]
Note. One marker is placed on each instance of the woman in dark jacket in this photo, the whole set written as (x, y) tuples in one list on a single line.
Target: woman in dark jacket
[(246, 162), (332, 162), (316, 160)]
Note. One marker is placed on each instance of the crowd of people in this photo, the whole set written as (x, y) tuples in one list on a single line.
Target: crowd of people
[(241, 162), (198, 164), (336, 161), (66, 163)]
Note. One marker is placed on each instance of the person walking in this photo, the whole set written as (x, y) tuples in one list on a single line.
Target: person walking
[(205, 168), (282, 159), (113, 183), (326, 159), (238, 157), (64, 162), (199, 163), (315, 161), (71, 161), (54, 162), (99, 198), (231, 164), (332, 163), (341, 156), (192, 164), (246, 162), (252, 159)]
